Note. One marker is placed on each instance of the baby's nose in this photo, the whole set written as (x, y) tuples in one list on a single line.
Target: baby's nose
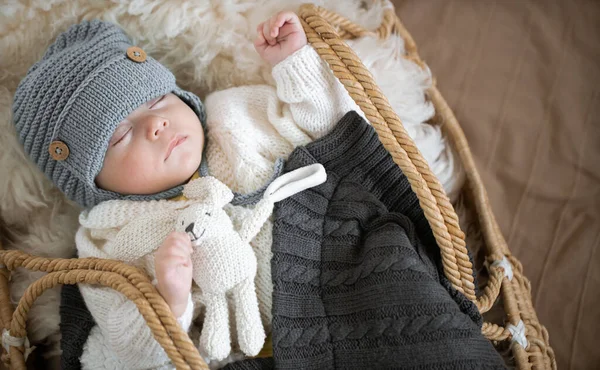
[(155, 127)]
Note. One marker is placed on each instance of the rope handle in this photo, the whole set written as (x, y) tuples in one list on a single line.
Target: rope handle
[(126, 279), (348, 68), (361, 86)]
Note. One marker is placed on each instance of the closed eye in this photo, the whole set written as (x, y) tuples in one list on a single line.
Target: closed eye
[(120, 134), (207, 213), (155, 101)]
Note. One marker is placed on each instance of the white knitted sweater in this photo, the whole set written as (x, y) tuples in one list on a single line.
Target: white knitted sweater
[(248, 129)]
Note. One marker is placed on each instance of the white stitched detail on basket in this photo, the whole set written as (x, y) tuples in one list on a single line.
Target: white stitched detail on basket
[(10, 341), (508, 271), (518, 334)]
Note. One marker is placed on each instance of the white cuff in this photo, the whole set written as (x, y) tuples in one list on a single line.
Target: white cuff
[(300, 75), (185, 320)]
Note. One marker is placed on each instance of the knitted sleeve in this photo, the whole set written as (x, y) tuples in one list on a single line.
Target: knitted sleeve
[(250, 127), (124, 328), (316, 98)]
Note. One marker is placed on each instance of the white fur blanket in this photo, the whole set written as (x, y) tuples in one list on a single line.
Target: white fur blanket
[(208, 45)]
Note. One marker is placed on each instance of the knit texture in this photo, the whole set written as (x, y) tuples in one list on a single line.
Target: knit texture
[(250, 127), (252, 364), (355, 285), (223, 260), (78, 93), (76, 322)]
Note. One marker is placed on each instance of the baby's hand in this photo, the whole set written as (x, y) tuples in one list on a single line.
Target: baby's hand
[(279, 37), (173, 265)]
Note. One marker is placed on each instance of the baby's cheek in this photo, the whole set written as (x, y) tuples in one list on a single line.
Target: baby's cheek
[(137, 172)]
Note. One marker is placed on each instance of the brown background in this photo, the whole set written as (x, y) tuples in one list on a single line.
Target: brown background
[(522, 78)]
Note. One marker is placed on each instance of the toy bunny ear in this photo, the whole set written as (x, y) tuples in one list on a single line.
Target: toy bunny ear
[(208, 189), (117, 213), (295, 181), (141, 236)]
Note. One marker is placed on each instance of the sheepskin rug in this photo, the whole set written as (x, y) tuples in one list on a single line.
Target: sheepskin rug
[(208, 46)]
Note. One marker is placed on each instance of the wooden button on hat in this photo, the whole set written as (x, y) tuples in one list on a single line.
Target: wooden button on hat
[(136, 54), (59, 151)]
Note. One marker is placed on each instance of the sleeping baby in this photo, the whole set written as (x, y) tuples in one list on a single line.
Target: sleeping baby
[(106, 122)]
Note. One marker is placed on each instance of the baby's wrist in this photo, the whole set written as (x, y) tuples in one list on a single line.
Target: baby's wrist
[(179, 308), (284, 58), (177, 305)]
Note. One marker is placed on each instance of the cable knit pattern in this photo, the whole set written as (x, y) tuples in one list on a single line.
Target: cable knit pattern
[(319, 334), (363, 290)]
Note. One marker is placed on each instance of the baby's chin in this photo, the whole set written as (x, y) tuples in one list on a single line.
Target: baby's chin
[(185, 167)]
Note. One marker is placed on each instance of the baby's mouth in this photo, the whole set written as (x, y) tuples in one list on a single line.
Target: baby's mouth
[(177, 139)]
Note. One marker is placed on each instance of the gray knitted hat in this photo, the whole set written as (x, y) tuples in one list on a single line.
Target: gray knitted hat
[(70, 102)]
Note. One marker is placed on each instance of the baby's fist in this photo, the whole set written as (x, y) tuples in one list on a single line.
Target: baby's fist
[(279, 37), (173, 265)]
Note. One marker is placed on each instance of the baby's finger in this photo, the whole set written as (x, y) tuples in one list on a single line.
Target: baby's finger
[(260, 41), (181, 237), (274, 27), (267, 34), (174, 255), (186, 248), (180, 244), (283, 17), (175, 259), (272, 32)]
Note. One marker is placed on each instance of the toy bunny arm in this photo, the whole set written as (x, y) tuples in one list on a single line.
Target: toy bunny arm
[(250, 226), (141, 236), (125, 329), (127, 230)]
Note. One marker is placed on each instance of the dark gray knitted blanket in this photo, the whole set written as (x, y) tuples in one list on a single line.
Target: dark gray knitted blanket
[(355, 270), (357, 273)]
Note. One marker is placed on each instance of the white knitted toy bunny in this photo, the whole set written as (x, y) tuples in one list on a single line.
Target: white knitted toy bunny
[(223, 260)]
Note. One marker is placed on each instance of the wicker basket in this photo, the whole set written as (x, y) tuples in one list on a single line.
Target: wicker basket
[(522, 334)]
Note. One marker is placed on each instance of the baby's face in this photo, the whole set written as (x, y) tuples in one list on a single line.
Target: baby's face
[(157, 147)]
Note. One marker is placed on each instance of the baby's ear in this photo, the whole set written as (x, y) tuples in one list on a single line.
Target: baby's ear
[(209, 190)]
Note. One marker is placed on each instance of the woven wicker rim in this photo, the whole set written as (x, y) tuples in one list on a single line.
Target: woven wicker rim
[(325, 31)]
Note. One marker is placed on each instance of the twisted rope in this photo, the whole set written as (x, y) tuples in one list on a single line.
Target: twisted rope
[(361, 86), (492, 290), (516, 294), (126, 279), (495, 332)]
